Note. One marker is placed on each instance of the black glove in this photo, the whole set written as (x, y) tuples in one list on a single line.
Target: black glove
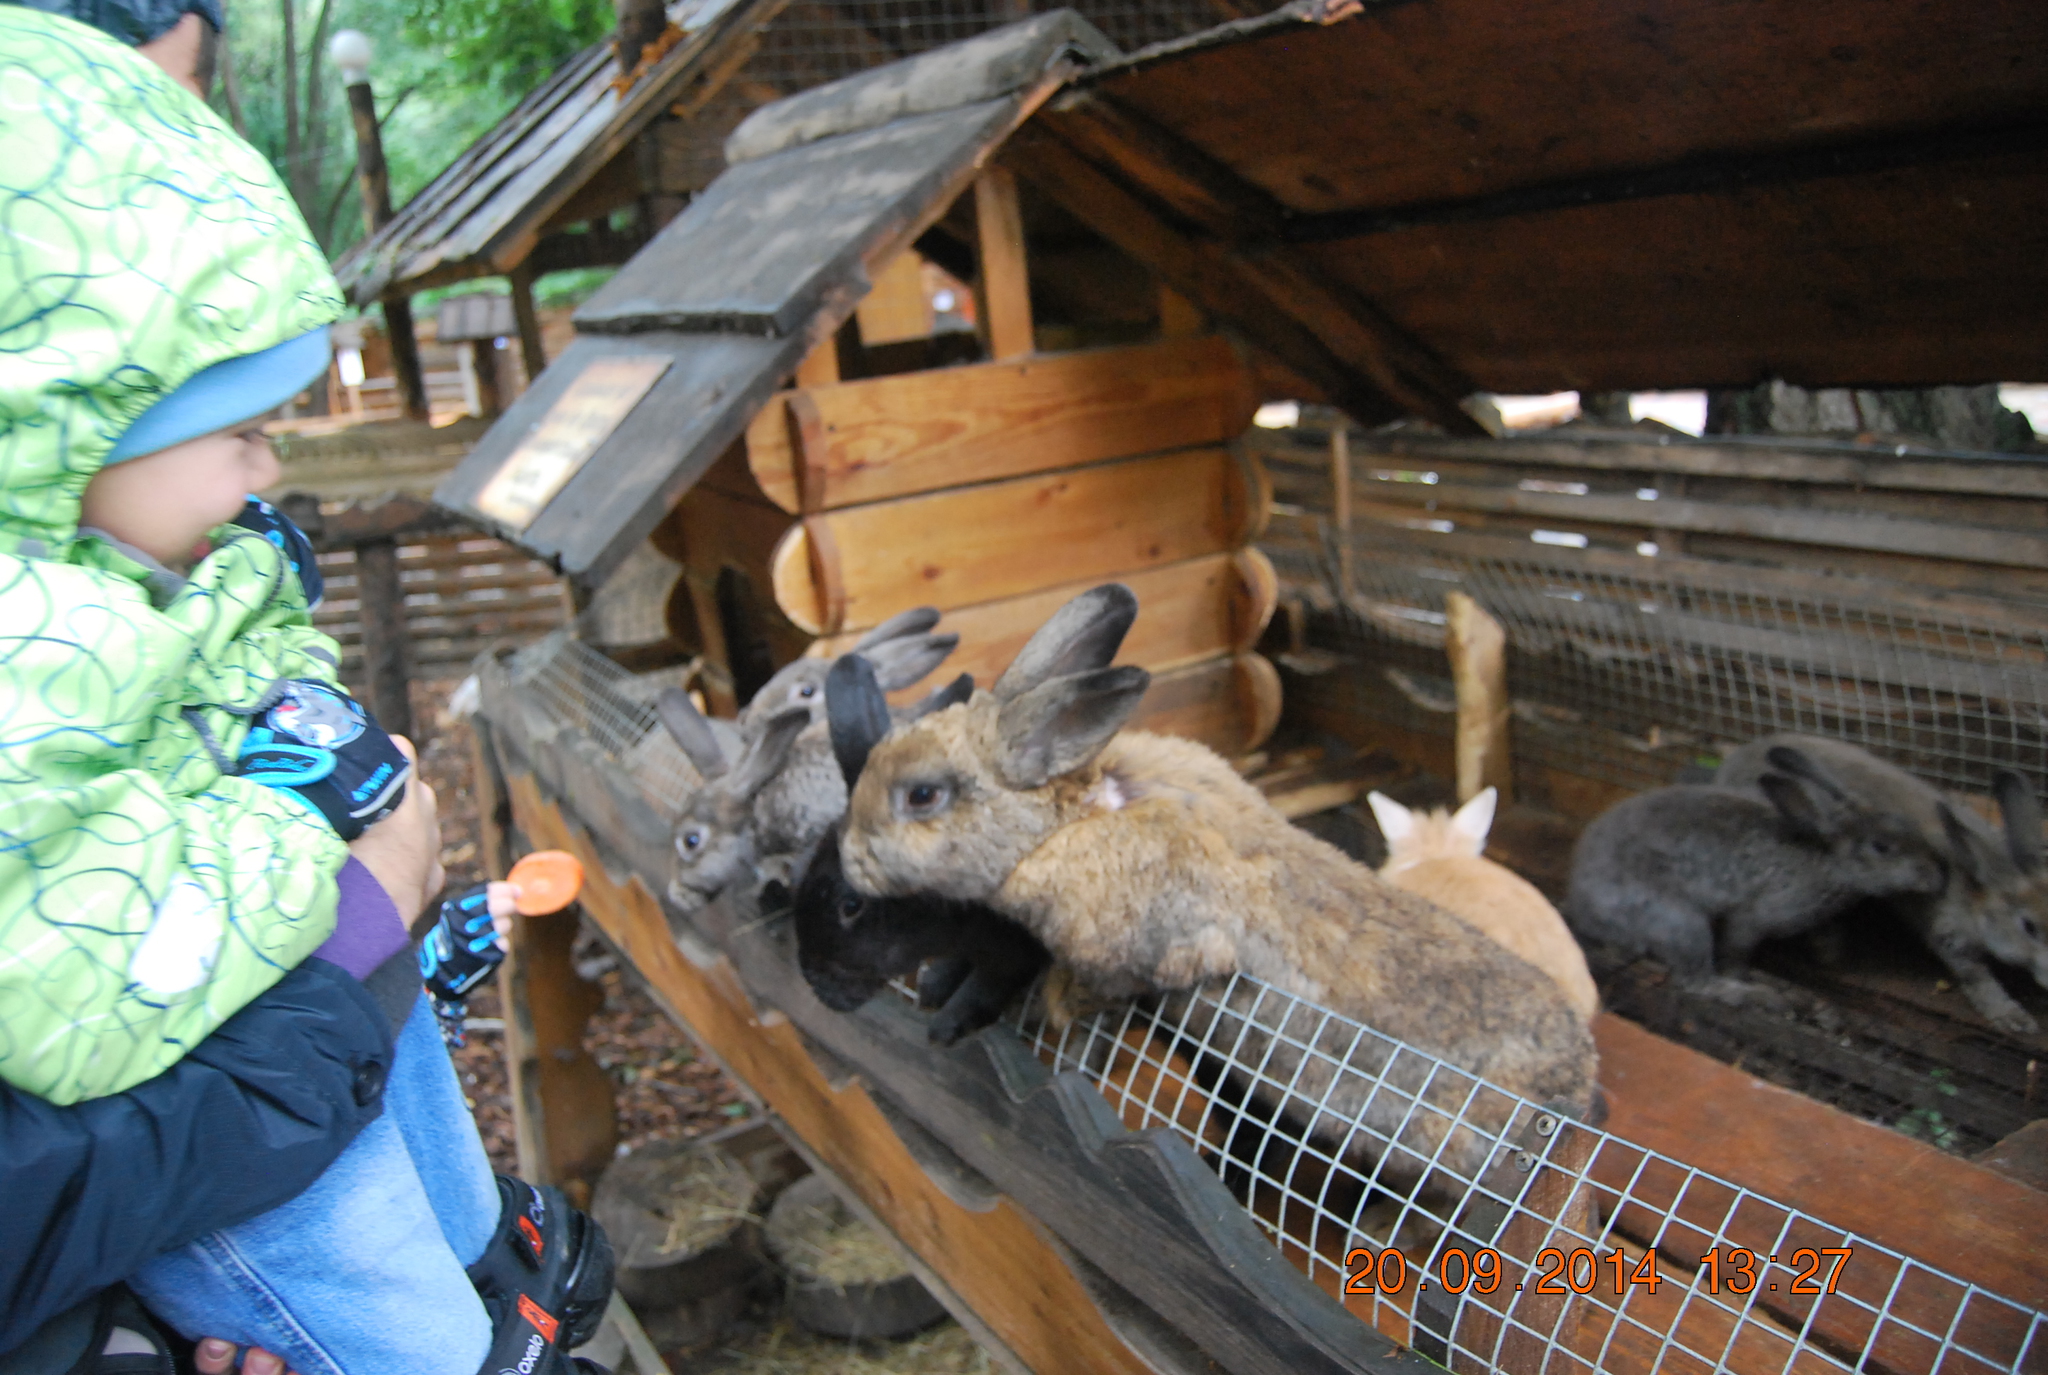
[(460, 951), (328, 749), (275, 526)]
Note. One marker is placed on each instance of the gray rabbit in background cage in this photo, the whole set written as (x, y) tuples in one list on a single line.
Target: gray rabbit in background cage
[(1145, 864), (760, 815), (1994, 904), (1698, 876)]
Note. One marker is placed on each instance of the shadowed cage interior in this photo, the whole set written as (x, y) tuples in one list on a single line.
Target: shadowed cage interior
[(1423, 1197)]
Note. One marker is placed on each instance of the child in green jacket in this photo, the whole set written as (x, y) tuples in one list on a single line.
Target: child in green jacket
[(181, 777)]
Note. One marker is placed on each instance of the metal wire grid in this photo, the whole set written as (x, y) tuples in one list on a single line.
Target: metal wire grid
[(579, 687), (1458, 1178), (1627, 677)]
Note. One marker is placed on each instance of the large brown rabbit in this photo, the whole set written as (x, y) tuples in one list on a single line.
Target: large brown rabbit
[(1440, 856), (1146, 864)]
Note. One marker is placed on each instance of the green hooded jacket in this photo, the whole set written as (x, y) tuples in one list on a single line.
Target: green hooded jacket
[(144, 895)]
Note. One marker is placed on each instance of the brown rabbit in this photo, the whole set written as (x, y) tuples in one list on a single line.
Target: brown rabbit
[(1441, 856), (1148, 865)]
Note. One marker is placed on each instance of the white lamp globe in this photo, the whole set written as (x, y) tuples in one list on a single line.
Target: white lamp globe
[(351, 50)]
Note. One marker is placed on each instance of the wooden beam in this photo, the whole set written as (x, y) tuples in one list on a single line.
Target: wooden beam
[(531, 350), (1340, 500), (896, 308), (1179, 318), (1005, 277), (563, 1106), (1478, 650), (387, 666), (405, 356), (820, 368), (895, 436), (480, 356)]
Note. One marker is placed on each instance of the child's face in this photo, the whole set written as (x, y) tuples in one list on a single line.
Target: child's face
[(164, 503)]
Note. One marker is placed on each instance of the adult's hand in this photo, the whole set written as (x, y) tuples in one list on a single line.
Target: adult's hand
[(216, 1357), (403, 850)]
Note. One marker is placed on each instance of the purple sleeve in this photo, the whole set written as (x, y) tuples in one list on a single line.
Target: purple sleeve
[(367, 930)]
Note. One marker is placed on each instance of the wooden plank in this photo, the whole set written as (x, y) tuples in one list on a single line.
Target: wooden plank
[(1929, 539), (1971, 1222), (893, 436), (1478, 650), (895, 309), (1001, 539), (1187, 611), (710, 528), (1843, 464), (1004, 282)]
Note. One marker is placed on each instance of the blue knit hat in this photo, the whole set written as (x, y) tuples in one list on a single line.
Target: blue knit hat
[(232, 390)]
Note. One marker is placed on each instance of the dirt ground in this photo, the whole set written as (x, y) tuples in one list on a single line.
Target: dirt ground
[(663, 1091)]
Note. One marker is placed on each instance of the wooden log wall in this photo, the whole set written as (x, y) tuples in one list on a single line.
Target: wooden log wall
[(995, 492)]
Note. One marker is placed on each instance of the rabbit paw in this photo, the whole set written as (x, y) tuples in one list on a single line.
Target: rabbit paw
[(2009, 1017)]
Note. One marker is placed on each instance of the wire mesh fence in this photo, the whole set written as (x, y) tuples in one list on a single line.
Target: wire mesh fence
[(1486, 1232), (1627, 669), (1494, 1234)]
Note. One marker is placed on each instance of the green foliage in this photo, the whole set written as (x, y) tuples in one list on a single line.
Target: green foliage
[(508, 46), (443, 75)]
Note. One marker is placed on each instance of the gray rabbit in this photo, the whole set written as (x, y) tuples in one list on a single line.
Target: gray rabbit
[(1698, 875), (1146, 864), (716, 840), (762, 815), (1995, 902)]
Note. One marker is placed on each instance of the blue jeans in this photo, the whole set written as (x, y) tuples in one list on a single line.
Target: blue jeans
[(363, 1273)]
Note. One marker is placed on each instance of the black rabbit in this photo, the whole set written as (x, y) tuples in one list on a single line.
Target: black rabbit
[(850, 945)]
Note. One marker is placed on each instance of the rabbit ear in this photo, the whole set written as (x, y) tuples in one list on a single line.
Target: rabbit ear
[(960, 690), (857, 711), (2022, 813), (1397, 823), (901, 662), (691, 731), (1475, 818), (1799, 764), (1798, 806), (903, 624), (1058, 726), (1082, 635), (767, 752), (1963, 846)]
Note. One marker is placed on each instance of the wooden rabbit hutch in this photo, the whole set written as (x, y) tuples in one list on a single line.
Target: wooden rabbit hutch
[(1384, 209)]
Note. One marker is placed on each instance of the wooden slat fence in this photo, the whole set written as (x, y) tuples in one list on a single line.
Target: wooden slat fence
[(463, 592)]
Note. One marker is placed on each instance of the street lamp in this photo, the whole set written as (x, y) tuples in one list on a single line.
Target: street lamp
[(351, 50)]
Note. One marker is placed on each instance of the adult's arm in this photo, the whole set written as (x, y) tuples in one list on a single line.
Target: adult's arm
[(246, 1121)]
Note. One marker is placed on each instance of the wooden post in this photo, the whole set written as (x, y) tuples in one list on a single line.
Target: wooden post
[(531, 351), (483, 366), (1340, 498), (564, 1118), (387, 647), (1479, 670), (374, 182), (820, 367), (1005, 281), (405, 357)]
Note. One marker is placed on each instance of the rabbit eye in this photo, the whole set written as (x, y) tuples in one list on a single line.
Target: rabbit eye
[(2033, 931), (924, 798), (807, 690), (692, 839), (850, 908), (1884, 847)]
